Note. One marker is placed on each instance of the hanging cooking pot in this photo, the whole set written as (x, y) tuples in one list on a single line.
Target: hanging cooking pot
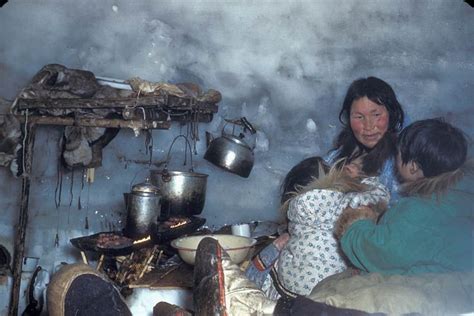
[(232, 153), (143, 209), (182, 192)]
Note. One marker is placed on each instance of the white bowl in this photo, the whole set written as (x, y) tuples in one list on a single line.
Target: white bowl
[(237, 247)]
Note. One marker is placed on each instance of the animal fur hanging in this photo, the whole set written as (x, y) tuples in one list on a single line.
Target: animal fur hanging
[(82, 146), (10, 144)]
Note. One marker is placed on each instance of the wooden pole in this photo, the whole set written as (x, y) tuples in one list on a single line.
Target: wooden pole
[(22, 220), (96, 122)]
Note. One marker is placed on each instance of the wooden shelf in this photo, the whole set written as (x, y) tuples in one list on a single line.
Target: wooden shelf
[(95, 122), (160, 101)]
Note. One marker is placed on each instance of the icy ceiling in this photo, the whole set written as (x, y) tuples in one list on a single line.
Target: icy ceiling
[(295, 58)]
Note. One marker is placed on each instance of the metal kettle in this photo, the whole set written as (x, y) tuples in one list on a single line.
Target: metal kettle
[(143, 209), (231, 152)]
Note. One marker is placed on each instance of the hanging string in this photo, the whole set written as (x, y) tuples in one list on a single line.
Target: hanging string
[(196, 131), (149, 146), (24, 141), (86, 226), (79, 205), (71, 194), (59, 186)]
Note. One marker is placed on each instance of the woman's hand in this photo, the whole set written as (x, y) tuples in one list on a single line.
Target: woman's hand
[(281, 241)]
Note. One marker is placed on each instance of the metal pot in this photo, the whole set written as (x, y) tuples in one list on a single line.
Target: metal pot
[(231, 152), (182, 192), (143, 209)]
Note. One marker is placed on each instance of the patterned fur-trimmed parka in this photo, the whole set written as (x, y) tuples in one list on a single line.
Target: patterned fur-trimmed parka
[(312, 251)]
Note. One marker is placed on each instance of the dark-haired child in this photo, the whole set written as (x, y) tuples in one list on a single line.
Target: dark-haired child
[(299, 176), (431, 228)]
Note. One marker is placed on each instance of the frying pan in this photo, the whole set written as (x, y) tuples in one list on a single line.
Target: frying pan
[(90, 243)]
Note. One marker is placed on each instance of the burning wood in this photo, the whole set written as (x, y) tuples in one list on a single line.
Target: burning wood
[(179, 224), (147, 238), (174, 222)]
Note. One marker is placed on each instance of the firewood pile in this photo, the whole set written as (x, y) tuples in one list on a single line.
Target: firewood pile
[(135, 265)]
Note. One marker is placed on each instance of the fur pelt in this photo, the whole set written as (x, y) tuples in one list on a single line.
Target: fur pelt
[(335, 179), (350, 215)]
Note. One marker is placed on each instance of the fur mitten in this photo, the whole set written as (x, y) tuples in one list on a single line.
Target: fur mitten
[(350, 216)]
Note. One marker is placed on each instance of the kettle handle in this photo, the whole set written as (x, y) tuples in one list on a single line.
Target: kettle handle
[(247, 125), (243, 122), (165, 170)]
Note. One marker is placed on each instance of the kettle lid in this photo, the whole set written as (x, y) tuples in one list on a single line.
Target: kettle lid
[(145, 187)]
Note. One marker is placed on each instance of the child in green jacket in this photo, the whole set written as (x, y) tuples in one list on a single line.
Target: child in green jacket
[(431, 228)]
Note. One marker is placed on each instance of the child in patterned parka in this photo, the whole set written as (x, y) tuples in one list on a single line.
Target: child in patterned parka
[(311, 253)]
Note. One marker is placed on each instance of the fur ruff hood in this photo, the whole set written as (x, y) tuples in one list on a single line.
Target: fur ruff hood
[(335, 179), (439, 184)]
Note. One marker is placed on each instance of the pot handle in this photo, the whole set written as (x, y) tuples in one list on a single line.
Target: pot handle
[(165, 170)]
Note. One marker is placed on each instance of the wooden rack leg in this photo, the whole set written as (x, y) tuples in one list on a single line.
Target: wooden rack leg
[(22, 220), (101, 261), (84, 258)]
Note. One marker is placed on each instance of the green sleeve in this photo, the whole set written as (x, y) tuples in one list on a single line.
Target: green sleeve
[(393, 247)]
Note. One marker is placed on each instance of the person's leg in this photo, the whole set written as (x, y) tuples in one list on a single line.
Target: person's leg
[(261, 264), (78, 289), (259, 268), (302, 306), (220, 287), (208, 291), (167, 309)]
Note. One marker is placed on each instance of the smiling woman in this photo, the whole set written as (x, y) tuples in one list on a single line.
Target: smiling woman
[(372, 117), (369, 121)]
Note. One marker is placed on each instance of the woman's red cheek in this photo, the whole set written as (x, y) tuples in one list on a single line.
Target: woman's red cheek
[(356, 126), (383, 121)]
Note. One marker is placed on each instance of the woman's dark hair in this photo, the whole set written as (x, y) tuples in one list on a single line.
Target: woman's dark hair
[(301, 175), (381, 93), (436, 146), (377, 91)]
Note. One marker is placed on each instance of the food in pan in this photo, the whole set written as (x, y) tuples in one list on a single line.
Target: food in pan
[(111, 240)]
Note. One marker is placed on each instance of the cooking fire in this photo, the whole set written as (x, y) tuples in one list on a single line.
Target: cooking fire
[(147, 238)]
